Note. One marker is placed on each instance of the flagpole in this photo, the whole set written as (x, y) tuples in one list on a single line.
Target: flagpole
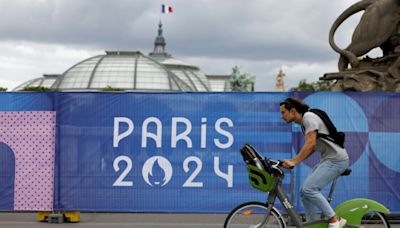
[(160, 12)]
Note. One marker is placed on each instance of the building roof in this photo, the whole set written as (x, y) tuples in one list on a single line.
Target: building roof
[(46, 81), (129, 71), (120, 69)]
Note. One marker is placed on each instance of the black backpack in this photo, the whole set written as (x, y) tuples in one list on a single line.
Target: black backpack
[(334, 135), (249, 154)]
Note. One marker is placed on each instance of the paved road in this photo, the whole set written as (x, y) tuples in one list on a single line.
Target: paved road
[(121, 220), (118, 220)]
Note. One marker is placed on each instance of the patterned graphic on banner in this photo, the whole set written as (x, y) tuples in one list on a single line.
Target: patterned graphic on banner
[(27, 152), (179, 152), (164, 152), (7, 177), (142, 152), (384, 156)]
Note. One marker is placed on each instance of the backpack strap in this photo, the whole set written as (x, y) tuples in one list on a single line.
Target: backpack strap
[(333, 135)]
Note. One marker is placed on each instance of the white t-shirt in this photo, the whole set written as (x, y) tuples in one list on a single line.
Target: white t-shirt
[(329, 150)]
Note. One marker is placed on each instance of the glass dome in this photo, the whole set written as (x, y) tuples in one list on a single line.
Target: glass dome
[(129, 71), (46, 81), (121, 70), (190, 74)]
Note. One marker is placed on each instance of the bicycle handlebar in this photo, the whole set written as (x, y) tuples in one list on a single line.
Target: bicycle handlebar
[(277, 163), (274, 165)]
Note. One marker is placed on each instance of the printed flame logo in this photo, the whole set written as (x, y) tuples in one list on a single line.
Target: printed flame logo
[(163, 163)]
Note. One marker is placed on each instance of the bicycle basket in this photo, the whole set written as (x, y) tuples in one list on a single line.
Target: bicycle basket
[(260, 179)]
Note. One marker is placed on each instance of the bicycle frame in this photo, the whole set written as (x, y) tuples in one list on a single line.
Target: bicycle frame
[(270, 180), (351, 210), (278, 192)]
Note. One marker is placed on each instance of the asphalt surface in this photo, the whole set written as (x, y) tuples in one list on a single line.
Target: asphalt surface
[(120, 220), (117, 220)]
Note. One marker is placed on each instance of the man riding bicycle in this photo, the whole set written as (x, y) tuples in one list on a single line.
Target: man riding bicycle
[(334, 159)]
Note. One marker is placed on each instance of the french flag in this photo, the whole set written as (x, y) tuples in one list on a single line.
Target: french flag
[(166, 9)]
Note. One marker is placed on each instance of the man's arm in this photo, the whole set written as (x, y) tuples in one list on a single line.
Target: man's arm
[(307, 149)]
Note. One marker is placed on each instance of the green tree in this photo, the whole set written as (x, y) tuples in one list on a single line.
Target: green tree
[(36, 89), (322, 85), (111, 89), (241, 82), (311, 87), (2, 89)]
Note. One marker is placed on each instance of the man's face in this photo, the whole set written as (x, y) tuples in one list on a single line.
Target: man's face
[(286, 114)]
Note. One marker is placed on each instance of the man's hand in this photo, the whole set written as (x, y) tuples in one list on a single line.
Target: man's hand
[(288, 164)]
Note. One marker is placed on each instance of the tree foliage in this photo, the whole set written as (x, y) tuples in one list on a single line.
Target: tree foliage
[(2, 89), (36, 89), (241, 82), (311, 87), (111, 89)]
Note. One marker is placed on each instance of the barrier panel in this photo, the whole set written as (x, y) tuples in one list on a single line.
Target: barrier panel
[(179, 152), (27, 151), (167, 152), (371, 122)]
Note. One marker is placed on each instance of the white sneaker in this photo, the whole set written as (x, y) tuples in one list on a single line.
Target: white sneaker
[(338, 224)]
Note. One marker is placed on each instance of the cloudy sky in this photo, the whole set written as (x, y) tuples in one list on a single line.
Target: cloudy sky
[(260, 36)]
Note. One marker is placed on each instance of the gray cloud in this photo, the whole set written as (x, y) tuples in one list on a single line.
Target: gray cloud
[(261, 35)]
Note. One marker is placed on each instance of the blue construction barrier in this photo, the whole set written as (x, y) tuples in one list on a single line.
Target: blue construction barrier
[(179, 152)]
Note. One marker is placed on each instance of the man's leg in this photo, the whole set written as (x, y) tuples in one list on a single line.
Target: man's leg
[(311, 194), (309, 207)]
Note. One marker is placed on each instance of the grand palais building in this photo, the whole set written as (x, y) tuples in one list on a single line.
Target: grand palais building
[(133, 71)]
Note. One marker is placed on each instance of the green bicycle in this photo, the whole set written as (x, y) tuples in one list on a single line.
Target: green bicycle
[(267, 175)]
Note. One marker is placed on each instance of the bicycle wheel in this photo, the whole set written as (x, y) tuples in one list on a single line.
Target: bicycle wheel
[(375, 219), (251, 215)]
